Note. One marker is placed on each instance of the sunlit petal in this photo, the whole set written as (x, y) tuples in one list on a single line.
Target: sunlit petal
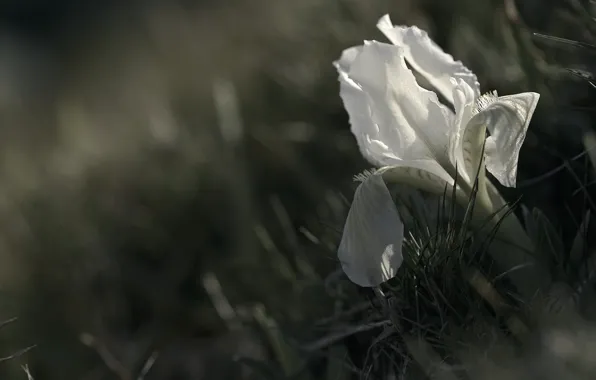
[(347, 58), (507, 119), (392, 117), (370, 250), (428, 58), (357, 103)]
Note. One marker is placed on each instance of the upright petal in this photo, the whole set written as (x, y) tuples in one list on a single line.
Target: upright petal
[(507, 119), (347, 58), (468, 142), (392, 117), (428, 58), (370, 248), (356, 103), (461, 152)]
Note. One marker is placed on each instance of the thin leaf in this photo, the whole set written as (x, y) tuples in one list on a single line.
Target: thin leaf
[(583, 75), (589, 140), (546, 237), (564, 41), (580, 244)]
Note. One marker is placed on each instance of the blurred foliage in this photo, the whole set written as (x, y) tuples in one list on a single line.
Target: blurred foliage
[(119, 190)]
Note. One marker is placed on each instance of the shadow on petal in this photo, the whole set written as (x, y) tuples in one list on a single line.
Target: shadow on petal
[(428, 59), (507, 120), (370, 250)]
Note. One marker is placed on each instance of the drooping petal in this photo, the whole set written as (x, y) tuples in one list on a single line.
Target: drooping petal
[(370, 248), (507, 119), (428, 58), (392, 117)]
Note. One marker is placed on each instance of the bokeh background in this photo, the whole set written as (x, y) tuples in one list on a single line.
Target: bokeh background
[(175, 174)]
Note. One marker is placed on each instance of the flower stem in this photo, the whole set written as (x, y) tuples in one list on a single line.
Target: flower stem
[(513, 251)]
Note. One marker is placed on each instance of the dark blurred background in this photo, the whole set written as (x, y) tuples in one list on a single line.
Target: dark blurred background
[(161, 159)]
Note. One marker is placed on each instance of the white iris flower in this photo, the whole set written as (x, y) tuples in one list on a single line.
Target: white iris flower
[(414, 139)]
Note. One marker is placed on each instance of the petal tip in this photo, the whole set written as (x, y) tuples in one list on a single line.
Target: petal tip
[(384, 22)]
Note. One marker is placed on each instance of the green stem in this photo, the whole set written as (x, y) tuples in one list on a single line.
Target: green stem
[(513, 251)]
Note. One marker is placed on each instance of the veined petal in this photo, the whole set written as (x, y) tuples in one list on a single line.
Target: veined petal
[(423, 175), (428, 58), (507, 119), (392, 117), (370, 248), (468, 141), (427, 176), (461, 151), (359, 110)]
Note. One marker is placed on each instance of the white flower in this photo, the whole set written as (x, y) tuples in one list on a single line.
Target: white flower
[(416, 140)]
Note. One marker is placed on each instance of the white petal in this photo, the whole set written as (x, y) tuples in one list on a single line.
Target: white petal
[(428, 58), (507, 120), (370, 248), (347, 57), (461, 153), (428, 176), (356, 103), (467, 143), (392, 117)]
